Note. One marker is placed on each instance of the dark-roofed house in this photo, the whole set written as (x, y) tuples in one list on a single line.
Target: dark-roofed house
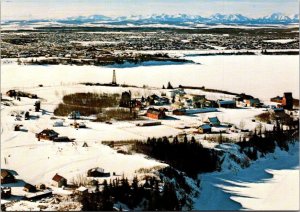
[(29, 188), (247, 100), (276, 99), (214, 121), (204, 128), (59, 181), (226, 103), (47, 134), (7, 177), (156, 113), (97, 172)]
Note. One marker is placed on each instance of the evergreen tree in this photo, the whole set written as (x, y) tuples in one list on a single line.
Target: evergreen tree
[(169, 86), (175, 140), (185, 140), (193, 140)]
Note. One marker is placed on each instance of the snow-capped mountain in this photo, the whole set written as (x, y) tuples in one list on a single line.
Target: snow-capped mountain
[(229, 18), (179, 19), (295, 17), (275, 18)]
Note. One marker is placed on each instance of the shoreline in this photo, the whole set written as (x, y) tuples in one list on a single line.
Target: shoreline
[(250, 188)]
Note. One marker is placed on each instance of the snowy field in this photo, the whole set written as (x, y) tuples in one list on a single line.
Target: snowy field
[(258, 75), (37, 162)]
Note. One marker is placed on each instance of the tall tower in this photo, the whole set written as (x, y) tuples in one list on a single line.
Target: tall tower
[(114, 79)]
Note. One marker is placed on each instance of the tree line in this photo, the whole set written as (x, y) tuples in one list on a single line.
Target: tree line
[(148, 194), (187, 156)]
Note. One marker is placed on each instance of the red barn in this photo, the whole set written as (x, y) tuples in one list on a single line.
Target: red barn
[(154, 113)]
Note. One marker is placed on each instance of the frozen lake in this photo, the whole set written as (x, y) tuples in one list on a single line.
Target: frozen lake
[(270, 183), (260, 75)]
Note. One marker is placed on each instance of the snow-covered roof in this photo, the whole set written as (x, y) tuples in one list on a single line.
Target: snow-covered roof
[(226, 102), (205, 126), (98, 170), (81, 188), (213, 119)]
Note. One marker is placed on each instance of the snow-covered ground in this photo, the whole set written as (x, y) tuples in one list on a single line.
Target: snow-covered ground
[(270, 183), (259, 75), (37, 162)]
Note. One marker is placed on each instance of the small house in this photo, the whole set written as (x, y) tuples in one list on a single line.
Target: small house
[(97, 172), (74, 115), (47, 134), (7, 177), (226, 103), (79, 125), (252, 102), (214, 121), (156, 113), (11, 93), (29, 188), (41, 186), (175, 92), (18, 127), (179, 112), (82, 190), (204, 128), (59, 181)]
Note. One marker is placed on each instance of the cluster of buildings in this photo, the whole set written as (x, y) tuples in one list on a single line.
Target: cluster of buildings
[(39, 191), (285, 102), (179, 102), (85, 45)]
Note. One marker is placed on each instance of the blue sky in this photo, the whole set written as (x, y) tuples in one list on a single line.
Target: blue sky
[(32, 9)]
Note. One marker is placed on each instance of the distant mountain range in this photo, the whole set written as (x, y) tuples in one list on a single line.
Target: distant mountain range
[(179, 20)]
